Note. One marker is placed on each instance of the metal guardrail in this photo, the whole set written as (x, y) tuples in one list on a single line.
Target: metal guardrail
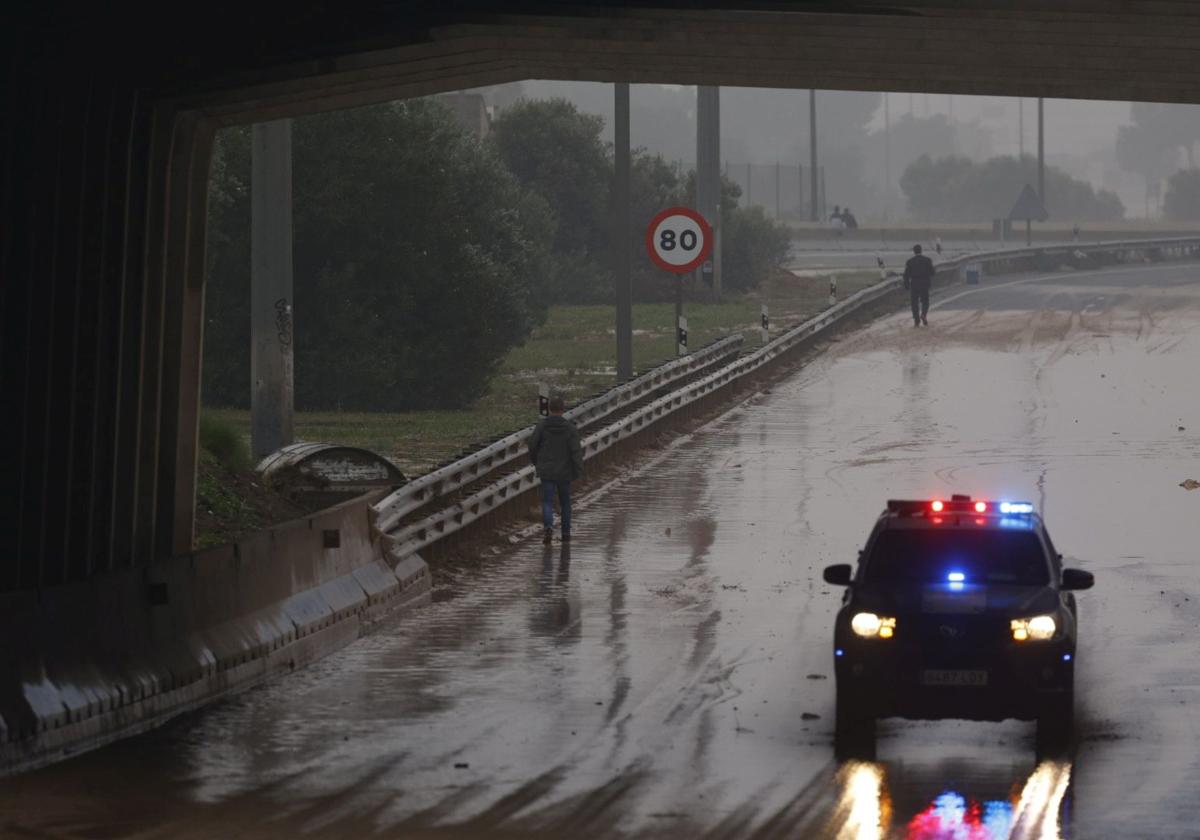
[(1171, 244), (416, 536), (437, 483)]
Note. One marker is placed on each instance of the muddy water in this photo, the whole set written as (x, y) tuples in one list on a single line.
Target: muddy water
[(670, 674)]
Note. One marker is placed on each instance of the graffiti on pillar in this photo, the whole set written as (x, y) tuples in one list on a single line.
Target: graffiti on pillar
[(283, 324)]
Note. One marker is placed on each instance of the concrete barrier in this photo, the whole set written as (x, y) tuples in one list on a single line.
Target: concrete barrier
[(90, 662)]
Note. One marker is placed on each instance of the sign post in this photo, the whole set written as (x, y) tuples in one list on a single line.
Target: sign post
[(679, 240)]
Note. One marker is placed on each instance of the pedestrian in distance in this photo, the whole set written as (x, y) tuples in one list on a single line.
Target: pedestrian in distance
[(837, 222), (555, 450), (918, 277)]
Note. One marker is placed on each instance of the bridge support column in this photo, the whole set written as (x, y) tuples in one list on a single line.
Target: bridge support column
[(271, 399), (622, 213), (708, 174)]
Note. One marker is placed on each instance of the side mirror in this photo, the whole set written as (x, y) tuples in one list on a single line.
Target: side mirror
[(1074, 579), (838, 575)]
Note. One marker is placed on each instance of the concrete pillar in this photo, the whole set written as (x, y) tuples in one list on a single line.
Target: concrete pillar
[(708, 172), (1041, 152), (622, 222), (271, 336)]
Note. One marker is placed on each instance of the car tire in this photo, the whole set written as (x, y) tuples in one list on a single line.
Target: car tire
[(1056, 723), (854, 728)]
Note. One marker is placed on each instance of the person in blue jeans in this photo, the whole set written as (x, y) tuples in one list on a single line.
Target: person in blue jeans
[(555, 451)]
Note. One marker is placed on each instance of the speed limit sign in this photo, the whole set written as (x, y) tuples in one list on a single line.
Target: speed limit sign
[(679, 239)]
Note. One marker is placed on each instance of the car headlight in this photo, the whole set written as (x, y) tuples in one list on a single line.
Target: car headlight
[(870, 626), (1039, 628)]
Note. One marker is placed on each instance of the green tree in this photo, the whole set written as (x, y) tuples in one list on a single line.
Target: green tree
[(557, 152), (1182, 202), (1159, 134), (419, 262)]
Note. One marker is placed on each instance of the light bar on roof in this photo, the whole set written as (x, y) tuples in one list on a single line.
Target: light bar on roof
[(958, 504)]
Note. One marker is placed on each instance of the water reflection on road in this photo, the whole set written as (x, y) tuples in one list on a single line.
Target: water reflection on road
[(881, 800)]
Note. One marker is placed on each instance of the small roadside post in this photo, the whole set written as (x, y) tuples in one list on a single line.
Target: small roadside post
[(765, 327), (679, 240), (543, 399), (832, 289)]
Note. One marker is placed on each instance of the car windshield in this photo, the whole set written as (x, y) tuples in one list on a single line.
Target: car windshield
[(951, 555)]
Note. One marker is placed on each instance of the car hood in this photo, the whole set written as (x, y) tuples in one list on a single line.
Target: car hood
[(968, 599)]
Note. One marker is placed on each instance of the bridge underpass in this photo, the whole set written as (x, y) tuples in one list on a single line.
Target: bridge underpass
[(103, 255), (106, 175), (671, 676)]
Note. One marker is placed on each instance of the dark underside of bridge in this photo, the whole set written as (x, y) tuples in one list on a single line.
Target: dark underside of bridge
[(107, 132)]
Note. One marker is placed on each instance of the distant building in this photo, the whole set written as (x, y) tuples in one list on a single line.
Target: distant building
[(473, 113)]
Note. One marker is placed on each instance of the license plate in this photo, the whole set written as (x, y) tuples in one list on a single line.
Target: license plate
[(954, 678)]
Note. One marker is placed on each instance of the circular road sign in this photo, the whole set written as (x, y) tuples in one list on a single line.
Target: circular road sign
[(679, 240)]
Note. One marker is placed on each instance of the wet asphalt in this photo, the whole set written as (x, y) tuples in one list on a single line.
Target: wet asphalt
[(670, 674)]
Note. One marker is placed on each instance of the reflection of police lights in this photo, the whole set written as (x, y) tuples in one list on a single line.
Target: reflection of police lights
[(1037, 810), (867, 806), (951, 816), (865, 802)]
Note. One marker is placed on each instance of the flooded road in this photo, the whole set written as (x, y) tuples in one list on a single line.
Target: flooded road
[(670, 675)]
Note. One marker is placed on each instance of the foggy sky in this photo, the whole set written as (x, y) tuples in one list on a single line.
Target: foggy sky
[(763, 126)]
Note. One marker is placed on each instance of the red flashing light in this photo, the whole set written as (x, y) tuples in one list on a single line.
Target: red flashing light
[(980, 507), (937, 505)]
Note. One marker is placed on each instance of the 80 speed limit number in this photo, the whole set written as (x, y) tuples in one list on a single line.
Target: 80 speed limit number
[(678, 239)]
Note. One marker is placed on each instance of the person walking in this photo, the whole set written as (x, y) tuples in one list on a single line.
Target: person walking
[(918, 277), (555, 450)]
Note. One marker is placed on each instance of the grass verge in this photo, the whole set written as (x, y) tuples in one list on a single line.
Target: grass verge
[(574, 352)]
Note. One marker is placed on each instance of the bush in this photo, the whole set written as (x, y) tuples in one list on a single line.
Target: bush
[(224, 442), (1182, 201), (955, 188), (752, 247)]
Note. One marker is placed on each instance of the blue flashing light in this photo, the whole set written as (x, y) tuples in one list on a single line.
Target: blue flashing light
[(838, 652), (957, 586), (956, 577), (1013, 522), (1016, 507), (1066, 657)]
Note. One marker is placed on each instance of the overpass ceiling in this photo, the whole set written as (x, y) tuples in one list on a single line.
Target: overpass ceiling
[(238, 64)]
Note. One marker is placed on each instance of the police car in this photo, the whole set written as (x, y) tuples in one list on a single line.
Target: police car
[(958, 609)]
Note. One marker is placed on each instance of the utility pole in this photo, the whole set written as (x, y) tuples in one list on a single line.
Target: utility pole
[(708, 175), (622, 231), (776, 189), (271, 333), (887, 158), (1041, 152), (812, 151), (800, 191), (1021, 133)]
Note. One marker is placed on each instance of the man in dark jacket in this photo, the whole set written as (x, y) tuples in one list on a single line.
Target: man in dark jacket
[(555, 451), (918, 277)]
